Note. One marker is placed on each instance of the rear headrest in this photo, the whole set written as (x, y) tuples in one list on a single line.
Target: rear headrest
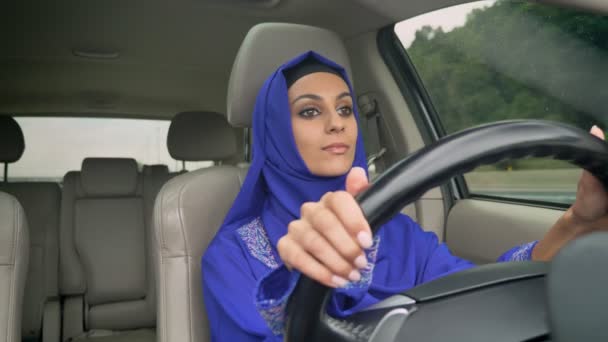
[(12, 143), (265, 48), (198, 136), (109, 176)]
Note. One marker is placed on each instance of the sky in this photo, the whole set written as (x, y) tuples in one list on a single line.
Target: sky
[(446, 18)]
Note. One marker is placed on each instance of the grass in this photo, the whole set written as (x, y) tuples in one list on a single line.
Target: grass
[(555, 180)]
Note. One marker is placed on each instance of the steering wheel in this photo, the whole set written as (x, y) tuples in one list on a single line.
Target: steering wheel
[(514, 301)]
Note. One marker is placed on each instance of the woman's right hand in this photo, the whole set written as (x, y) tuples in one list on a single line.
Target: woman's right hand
[(327, 242)]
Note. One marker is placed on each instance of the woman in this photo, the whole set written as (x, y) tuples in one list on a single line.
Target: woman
[(296, 213)]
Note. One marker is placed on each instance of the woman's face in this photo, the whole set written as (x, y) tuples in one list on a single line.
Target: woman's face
[(324, 124)]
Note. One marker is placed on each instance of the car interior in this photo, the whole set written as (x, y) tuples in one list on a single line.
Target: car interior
[(111, 249)]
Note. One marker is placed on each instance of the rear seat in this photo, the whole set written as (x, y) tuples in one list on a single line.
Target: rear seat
[(105, 271), (41, 202), (99, 260)]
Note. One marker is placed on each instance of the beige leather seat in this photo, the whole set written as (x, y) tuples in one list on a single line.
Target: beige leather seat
[(190, 208), (185, 206), (107, 277), (41, 202), (14, 254)]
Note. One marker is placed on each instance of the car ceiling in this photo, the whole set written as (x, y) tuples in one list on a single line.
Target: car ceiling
[(173, 55)]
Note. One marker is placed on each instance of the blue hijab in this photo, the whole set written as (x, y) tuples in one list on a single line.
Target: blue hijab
[(278, 181)]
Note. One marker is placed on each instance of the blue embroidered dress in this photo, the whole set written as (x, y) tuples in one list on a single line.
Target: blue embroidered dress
[(245, 284)]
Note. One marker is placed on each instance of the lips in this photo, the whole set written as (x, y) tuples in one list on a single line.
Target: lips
[(337, 148)]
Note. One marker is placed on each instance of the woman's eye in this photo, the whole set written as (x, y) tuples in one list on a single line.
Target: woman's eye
[(309, 113), (345, 111)]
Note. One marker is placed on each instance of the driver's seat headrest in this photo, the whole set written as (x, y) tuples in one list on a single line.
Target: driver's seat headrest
[(266, 47)]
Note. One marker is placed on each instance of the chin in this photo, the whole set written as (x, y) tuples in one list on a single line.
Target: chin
[(333, 170)]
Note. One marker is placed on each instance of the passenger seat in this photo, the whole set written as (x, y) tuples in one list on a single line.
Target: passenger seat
[(41, 203), (106, 275), (14, 253)]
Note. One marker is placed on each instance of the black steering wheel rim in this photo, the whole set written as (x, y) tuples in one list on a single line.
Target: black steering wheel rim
[(434, 165)]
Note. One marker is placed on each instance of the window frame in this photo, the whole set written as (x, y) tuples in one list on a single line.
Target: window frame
[(408, 82)]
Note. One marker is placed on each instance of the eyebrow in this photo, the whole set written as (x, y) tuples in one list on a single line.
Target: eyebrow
[(318, 98), (344, 94)]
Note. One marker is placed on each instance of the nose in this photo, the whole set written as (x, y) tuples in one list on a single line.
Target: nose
[(335, 123)]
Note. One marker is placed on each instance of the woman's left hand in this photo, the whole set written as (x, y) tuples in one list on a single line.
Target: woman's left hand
[(588, 213), (591, 201)]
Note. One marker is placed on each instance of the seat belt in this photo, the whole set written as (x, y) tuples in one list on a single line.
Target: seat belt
[(372, 117)]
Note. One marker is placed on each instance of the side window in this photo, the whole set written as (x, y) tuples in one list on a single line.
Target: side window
[(497, 60)]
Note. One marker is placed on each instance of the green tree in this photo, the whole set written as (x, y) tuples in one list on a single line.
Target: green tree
[(516, 60)]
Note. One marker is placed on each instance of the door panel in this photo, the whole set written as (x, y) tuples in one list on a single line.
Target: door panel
[(430, 212), (481, 230)]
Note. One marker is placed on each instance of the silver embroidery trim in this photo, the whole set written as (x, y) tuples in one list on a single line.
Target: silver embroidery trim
[(367, 273), (275, 316), (523, 253), (254, 236)]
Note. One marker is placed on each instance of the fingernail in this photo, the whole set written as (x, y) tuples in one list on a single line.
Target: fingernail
[(339, 281), (354, 275), (365, 239), (595, 130), (361, 261)]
